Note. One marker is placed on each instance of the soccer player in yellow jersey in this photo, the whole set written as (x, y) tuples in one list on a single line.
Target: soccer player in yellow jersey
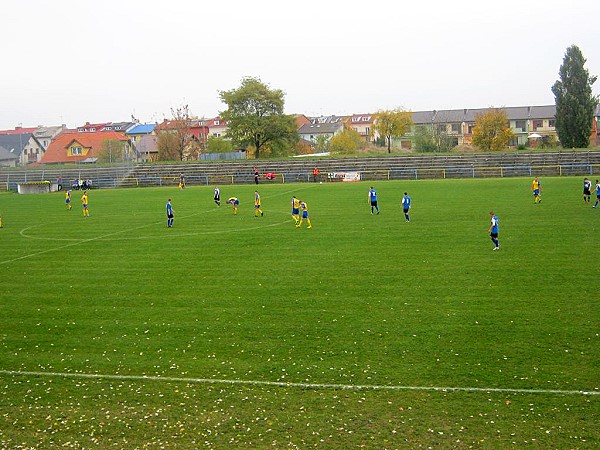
[(257, 209), (84, 204), (304, 208), (0, 220), (68, 200), (536, 187), (295, 210), (234, 203)]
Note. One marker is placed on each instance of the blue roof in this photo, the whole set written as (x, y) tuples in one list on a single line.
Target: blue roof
[(142, 128)]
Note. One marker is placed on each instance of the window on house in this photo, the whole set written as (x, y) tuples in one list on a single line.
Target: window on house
[(520, 125), (537, 124), (217, 122), (470, 128), (76, 151), (367, 130), (552, 123), (456, 127)]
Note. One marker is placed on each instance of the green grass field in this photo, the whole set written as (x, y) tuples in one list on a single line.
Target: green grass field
[(245, 332)]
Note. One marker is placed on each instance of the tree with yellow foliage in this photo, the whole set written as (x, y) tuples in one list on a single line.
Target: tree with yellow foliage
[(492, 130), (392, 124), (346, 142)]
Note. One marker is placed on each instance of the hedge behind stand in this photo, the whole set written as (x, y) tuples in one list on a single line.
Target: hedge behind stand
[(37, 187)]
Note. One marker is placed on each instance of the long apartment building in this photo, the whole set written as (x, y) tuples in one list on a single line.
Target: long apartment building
[(458, 124)]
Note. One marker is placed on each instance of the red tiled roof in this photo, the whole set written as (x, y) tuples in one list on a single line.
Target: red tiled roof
[(57, 150), (95, 126), (18, 130), (212, 123)]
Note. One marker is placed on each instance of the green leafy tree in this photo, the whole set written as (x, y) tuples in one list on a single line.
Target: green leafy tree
[(492, 131), (392, 124), (113, 150), (218, 145), (423, 138), (348, 141), (428, 138), (255, 117), (575, 104), (322, 143)]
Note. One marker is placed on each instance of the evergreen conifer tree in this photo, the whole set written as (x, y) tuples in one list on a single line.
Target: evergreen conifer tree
[(575, 103)]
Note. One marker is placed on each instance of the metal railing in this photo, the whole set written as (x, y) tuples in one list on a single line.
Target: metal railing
[(114, 177)]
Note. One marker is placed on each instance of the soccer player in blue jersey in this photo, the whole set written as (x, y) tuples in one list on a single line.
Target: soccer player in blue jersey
[(170, 213), (406, 206), (257, 209), (494, 230), (295, 210), (373, 200), (587, 190), (597, 193)]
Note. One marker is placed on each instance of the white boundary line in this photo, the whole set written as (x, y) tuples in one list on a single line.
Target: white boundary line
[(110, 236), (284, 384)]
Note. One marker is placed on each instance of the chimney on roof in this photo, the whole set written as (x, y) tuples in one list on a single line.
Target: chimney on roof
[(529, 111), (465, 111)]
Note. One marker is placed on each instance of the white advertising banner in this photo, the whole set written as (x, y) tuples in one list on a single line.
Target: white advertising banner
[(344, 176)]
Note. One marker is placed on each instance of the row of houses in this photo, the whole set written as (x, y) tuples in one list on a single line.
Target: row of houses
[(528, 124), (138, 141)]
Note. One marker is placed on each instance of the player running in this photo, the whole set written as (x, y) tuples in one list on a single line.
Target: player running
[(217, 196), (493, 230)]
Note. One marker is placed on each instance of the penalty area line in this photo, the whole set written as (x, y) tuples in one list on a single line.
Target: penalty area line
[(285, 384)]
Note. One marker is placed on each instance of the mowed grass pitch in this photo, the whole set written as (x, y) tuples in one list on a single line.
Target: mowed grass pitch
[(356, 301)]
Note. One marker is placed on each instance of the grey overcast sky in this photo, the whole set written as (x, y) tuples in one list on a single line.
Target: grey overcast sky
[(72, 61)]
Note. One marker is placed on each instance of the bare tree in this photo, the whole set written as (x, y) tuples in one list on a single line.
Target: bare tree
[(180, 138)]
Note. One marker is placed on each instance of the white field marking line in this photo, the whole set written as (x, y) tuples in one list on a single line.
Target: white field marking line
[(293, 191), (347, 387), (82, 241), (111, 238)]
